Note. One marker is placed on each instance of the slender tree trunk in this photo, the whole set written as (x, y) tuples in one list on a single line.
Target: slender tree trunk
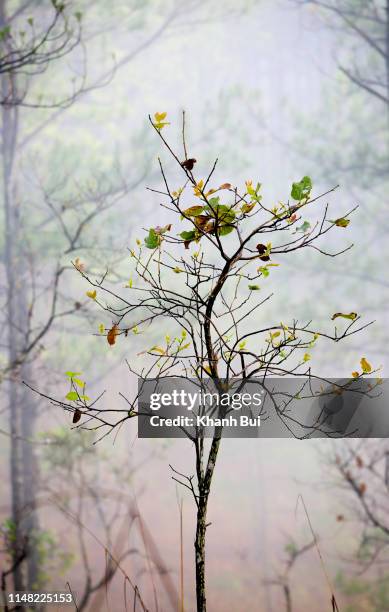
[(31, 476), (204, 478), (387, 51), (23, 472), (200, 554), (204, 482), (16, 460), (288, 599)]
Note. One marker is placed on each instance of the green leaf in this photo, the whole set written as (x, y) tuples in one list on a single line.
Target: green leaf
[(72, 374), (304, 227), (254, 287), (214, 202), (152, 240), (191, 235), (72, 396), (225, 214), (302, 189), (342, 222), (225, 229), (78, 382), (4, 32)]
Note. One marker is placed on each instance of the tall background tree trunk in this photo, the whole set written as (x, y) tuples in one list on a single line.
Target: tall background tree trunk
[(22, 415)]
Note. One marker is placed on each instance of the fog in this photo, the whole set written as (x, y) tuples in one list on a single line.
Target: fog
[(261, 88)]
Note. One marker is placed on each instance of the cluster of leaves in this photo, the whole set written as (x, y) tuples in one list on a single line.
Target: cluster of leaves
[(8, 534), (371, 592), (76, 393), (52, 559)]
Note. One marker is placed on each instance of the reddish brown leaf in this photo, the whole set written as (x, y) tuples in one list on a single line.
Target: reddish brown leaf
[(362, 489), (340, 518), (111, 336), (201, 220), (359, 461)]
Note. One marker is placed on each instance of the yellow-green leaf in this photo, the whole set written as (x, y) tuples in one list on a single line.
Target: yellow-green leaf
[(159, 121), (351, 315), (78, 382), (365, 365), (193, 211), (158, 349), (197, 189), (72, 396), (246, 208), (91, 294), (159, 117), (341, 222)]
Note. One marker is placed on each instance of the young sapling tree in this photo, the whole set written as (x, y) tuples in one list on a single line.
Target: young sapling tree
[(201, 271)]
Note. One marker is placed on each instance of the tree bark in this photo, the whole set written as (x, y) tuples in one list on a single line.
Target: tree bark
[(23, 472), (16, 462), (201, 525)]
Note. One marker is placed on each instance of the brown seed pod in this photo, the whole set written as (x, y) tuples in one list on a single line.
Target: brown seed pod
[(76, 415)]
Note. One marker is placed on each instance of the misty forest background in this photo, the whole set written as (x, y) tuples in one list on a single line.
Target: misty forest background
[(276, 90)]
